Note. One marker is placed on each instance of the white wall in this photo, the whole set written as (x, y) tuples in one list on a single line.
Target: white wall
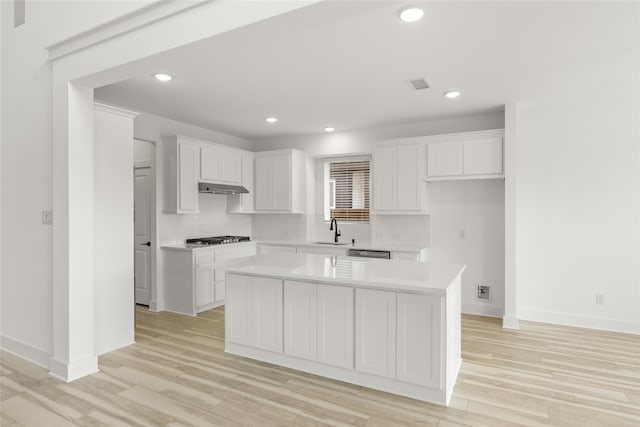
[(27, 263), (113, 203), (578, 193), (467, 227)]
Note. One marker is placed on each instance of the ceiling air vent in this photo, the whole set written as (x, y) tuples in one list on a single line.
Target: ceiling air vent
[(418, 84)]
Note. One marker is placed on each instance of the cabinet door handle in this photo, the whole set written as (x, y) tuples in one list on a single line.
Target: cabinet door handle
[(145, 244)]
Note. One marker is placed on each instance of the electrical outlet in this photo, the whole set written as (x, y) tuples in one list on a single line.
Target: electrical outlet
[(483, 292), (47, 217), (600, 299)]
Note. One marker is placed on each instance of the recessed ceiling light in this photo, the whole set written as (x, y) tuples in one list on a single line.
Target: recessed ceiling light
[(270, 119), (411, 13), (329, 129), (163, 77), (452, 94)]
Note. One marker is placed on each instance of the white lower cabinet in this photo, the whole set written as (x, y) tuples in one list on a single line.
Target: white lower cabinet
[(376, 332), (205, 286), (267, 314), (300, 321), (419, 339), (318, 323), (335, 325), (253, 312)]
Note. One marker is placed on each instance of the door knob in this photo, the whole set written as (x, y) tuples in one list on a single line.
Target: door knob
[(146, 244)]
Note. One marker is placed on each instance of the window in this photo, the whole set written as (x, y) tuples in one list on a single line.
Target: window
[(346, 190)]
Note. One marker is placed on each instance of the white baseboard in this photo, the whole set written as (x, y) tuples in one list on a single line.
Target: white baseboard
[(580, 321), (115, 347), (71, 371), (155, 306), (28, 352), (509, 322), (482, 309)]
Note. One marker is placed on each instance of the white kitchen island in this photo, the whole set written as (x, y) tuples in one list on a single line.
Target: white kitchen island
[(384, 324)]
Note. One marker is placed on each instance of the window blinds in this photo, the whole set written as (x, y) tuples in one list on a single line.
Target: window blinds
[(346, 191)]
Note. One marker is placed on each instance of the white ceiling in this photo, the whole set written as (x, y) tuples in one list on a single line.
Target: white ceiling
[(345, 64)]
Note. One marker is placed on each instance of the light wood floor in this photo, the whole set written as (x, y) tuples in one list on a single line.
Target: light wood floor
[(177, 374)]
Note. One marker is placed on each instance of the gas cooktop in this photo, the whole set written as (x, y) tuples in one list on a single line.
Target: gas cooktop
[(218, 240)]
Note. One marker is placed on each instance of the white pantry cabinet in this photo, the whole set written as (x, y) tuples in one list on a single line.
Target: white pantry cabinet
[(471, 155), (253, 313), (244, 203), (280, 181), (181, 172), (220, 164), (376, 332), (398, 172), (318, 323)]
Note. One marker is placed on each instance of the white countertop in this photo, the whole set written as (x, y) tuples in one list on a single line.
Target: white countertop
[(419, 277), (364, 245), (185, 247)]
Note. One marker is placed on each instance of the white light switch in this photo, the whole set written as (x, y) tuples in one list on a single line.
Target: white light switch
[(47, 217)]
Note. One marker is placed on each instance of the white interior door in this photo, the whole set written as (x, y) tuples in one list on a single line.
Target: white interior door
[(142, 237)]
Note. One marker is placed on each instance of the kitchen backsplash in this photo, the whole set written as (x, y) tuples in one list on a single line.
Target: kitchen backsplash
[(213, 220), (406, 229)]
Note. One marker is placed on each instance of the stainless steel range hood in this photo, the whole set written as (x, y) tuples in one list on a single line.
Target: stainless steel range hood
[(204, 187)]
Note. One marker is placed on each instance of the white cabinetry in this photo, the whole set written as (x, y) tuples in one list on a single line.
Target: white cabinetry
[(470, 155), (300, 320), (195, 279), (398, 173), (280, 181), (318, 323), (376, 332), (419, 339), (181, 172), (244, 203), (335, 325), (220, 165), (205, 279), (445, 158), (253, 312)]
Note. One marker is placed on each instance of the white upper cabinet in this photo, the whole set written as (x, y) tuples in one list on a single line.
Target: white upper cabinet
[(483, 156), (445, 158), (280, 181), (188, 161), (398, 173), (471, 155), (244, 203), (220, 165), (181, 172)]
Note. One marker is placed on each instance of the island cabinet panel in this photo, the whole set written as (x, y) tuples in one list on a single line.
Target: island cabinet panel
[(300, 319), (238, 309), (335, 325), (267, 314), (376, 332), (419, 339)]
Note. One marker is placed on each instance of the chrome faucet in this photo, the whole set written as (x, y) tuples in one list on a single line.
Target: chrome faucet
[(337, 234)]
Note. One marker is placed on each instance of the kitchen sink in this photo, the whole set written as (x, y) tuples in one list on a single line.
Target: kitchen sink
[(331, 243)]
